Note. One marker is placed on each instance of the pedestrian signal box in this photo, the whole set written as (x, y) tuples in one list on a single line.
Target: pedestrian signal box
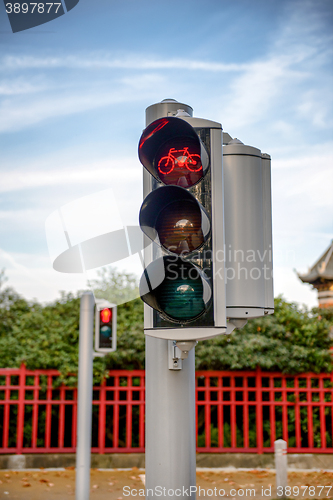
[(105, 327)]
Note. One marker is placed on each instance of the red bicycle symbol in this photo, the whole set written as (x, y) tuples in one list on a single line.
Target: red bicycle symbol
[(184, 159)]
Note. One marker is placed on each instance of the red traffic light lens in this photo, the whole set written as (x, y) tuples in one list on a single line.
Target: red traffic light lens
[(171, 150), (178, 163), (106, 315)]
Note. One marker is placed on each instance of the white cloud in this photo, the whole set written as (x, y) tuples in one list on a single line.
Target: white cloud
[(18, 86), (36, 279), (309, 175), (291, 79), (253, 93), (132, 61), (18, 114), (302, 194), (314, 107), (57, 175), (287, 283), (256, 88), (11, 262), (54, 98), (44, 284)]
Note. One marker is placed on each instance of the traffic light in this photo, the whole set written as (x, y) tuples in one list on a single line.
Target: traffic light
[(105, 327), (182, 219)]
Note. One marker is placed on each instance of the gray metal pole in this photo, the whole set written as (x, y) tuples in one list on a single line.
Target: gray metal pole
[(170, 400), (84, 404), (170, 423)]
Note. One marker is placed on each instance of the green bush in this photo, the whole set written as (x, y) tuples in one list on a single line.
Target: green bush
[(293, 340)]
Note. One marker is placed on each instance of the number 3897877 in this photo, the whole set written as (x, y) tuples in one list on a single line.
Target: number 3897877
[(38, 8)]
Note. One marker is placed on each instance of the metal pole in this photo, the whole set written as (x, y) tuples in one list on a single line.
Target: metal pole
[(170, 400), (170, 423), (84, 403)]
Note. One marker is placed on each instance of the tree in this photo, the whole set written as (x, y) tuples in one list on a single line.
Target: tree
[(122, 288), (47, 336), (293, 340), (115, 286)]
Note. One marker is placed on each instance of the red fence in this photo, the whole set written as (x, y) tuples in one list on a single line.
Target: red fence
[(236, 412)]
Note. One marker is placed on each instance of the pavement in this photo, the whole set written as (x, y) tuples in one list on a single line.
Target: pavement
[(117, 484)]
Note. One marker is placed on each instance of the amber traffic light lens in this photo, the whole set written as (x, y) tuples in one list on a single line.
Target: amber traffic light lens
[(179, 227)]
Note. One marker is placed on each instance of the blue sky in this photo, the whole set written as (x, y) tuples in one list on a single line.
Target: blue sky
[(73, 94)]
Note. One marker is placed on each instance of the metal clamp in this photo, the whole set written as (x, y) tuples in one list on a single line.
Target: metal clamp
[(177, 351), (174, 356)]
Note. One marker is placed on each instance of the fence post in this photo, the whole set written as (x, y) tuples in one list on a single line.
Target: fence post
[(280, 451), (259, 422), (20, 410)]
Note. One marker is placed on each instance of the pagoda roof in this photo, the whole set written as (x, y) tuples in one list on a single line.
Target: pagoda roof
[(322, 269)]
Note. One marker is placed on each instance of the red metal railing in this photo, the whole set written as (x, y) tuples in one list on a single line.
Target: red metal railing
[(247, 411), (236, 412)]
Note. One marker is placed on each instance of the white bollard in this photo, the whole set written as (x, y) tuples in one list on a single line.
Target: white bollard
[(280, 451)]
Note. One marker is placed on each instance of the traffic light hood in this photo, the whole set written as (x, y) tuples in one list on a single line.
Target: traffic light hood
[(171, 151)]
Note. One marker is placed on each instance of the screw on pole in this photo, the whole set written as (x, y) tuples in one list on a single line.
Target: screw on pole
[(280, 451)]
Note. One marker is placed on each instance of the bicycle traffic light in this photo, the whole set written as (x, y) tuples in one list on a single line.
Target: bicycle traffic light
[(182, 219), (105, 327)]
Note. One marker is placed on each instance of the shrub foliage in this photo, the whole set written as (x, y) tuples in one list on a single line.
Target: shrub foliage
[(293, 340)]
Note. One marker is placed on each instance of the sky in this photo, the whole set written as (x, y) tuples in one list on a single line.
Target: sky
[(73, 94)]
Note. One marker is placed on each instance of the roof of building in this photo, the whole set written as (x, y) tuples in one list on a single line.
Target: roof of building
[(322, 269)]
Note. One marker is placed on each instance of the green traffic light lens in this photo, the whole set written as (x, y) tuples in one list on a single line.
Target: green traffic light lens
[(105, 336), (180, 296), (179, 227), (180, 300), (105, 331)]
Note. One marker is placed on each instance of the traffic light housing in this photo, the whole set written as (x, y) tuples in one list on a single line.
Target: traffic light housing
[(182, 218), (105, 327), (248, 231)]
